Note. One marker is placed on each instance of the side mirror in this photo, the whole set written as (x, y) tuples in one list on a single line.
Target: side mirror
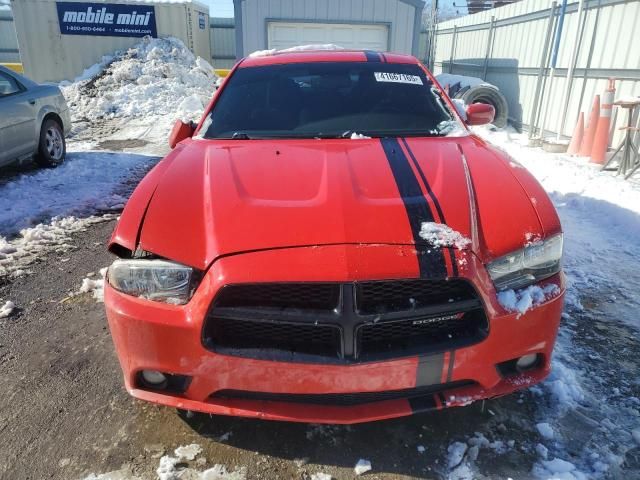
[(480, 114), (180, 131)]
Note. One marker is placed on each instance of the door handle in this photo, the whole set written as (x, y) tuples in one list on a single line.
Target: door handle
[(32, 101)]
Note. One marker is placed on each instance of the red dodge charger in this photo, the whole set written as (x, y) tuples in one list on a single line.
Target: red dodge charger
[(332, 244)]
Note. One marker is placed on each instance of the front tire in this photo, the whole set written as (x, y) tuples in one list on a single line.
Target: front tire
[(52, 147)]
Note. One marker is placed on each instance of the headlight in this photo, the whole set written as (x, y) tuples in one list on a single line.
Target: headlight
[(158, 280), (529, 265)]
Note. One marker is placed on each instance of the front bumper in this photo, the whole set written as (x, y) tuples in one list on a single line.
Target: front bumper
[(167, 338)]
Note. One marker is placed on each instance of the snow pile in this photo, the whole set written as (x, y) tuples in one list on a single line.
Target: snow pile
[(96, 286), (85, 184), (7, 309), (17, 254), (523, 300), (362, 466), (158, 78), (300, 48), (441, 235)]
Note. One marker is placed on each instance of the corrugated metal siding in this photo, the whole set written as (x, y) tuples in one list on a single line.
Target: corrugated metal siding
[(223, 42), (8, 41), (517, 48), (256, 13)]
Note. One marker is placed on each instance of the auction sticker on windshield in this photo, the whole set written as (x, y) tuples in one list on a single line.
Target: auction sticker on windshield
[(398, 78)]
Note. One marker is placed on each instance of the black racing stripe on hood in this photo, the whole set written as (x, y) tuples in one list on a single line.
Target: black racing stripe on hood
[(430, 259), (434, 200), (372, 56)]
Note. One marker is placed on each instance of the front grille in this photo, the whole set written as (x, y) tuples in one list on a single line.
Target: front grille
[(345, 323), (381, 297), (315, 296), (413, 334), (295, 338), (340, 399)]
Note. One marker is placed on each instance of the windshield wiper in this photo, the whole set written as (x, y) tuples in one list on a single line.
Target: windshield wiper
[(240, 136), (345, 134)]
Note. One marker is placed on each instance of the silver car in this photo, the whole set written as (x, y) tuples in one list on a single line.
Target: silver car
[(33, 121)]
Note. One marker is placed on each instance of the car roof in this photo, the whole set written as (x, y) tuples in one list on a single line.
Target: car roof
[(310, 56)]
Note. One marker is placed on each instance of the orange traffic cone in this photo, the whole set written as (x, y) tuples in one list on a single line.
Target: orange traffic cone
[(601, 140), (590, 132), (576, 139)]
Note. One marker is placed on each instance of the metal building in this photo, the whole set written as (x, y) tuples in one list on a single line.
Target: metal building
[(58, 39), (385, 25)]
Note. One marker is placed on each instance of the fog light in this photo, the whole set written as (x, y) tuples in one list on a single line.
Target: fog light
[(527, 361), (154, 379)]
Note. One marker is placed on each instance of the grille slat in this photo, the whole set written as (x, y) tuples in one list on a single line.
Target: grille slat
[(361, 321), (340, 399)]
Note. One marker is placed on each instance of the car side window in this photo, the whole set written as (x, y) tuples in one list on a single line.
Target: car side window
[(8, 85)]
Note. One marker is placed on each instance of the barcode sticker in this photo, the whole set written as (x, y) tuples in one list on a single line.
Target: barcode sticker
[(398, 78)]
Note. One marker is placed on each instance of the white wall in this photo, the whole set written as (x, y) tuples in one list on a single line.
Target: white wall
[(398, 14)]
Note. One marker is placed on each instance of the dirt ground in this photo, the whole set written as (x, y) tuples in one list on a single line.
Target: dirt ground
[(64, 413)]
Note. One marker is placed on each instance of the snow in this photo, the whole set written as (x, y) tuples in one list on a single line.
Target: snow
[(456, 453), (359, 136), (545, 430), (86, 183), (96, 286), (421, 449), (523, 300), (461, 107), (321, 476), (299, 48), (445, 79), (7, 309), (441, 235), (558, 469), (600, 214), (176, 467), (362, 466), (17, 254)]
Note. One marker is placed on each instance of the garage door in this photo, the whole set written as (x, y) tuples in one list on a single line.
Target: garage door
[(283, 35)]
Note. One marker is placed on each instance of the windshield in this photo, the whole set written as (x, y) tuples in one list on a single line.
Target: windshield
[(329, 100)]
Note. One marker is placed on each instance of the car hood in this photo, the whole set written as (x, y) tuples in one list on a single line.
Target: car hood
[(212, 198)]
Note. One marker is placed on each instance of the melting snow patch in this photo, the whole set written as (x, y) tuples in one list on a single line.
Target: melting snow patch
[(188, 452), (441, 235), (97, 287), (7, 309), (545, 430), (85, 184), (41, 239), (300, 48), (456, 453), (362, 466), (522, 300), (321, 476), (557, 469)]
